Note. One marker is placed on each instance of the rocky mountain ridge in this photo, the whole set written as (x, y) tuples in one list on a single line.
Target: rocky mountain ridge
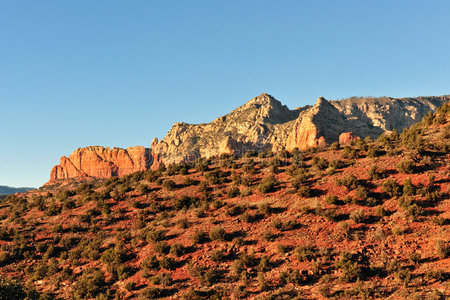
[(262, 123)]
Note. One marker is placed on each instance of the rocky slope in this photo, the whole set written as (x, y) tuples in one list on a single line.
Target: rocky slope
[(264, 123), (261, 124), (102, 162), (328, 224)]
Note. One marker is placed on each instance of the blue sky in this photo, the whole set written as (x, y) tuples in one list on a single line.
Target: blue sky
[(118, 73)]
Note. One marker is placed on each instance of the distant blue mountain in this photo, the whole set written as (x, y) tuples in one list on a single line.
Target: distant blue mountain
[(7, 190)]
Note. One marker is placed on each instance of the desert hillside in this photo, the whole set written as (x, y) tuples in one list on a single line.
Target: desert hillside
[(366, 219)]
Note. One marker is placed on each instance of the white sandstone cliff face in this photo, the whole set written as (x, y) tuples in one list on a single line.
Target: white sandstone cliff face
[(264, 123)]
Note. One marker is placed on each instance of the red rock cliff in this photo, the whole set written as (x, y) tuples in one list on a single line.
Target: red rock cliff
[(319, 126), (102, 162)]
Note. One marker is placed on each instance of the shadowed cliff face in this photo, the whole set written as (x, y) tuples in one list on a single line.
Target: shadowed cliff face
[(263, 123)]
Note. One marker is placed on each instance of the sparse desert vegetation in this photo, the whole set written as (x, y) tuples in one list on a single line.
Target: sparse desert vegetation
[(366, 220)]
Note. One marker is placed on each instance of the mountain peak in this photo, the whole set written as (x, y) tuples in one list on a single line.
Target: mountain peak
[(264, 99), (321, 100)]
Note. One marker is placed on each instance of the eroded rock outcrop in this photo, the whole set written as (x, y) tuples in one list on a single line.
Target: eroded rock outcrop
[(262, 123), (318, 126), (327, 120), (347, 137), (102, 162)]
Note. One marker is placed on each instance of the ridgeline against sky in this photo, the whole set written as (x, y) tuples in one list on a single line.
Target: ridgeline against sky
[(112, 73)]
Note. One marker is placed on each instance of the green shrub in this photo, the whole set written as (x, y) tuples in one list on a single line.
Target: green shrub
[(206, 275), (167, 263), (169, 184), (161, 247), (156, 235), (90, 285), (357, 216), (381, 211), (332, 199), (362, 193), (233, 192), (199, 237), (415, 257), (162, 278), (373, 152), (350, 152), (350, 182), (267, 185), (305, 252), (392, 188), (335, 146), (184, 202), (351, 271), (408, 188), (150, 263), (404, 275), (248, 217), (215, 177), (304, 191), (436, 275), (376, 173), (406, 166), (151, 293), (268, 235), (217, 255), (11, 289), (177, 250), (217, 234), (443, 249)]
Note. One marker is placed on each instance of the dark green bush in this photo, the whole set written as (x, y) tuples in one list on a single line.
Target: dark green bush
[(161, 247), (267, 185), (167, 263), (233, 192), (332, 199), (177, 250), (217, 234), (351, 271), (350, 182), (304, 191), (357, 216), (199, 237), (90, 285), (306, 252), (217, 255), (376, 173), (392, 188), (150, 263), (169, 184), (406, 166)]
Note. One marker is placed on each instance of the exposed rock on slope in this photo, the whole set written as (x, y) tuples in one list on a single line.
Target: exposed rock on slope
[(373, 116), (318, 126), (263, 123), (102, 162)]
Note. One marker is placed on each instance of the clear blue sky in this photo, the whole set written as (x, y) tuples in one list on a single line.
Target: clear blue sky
[(118, 73)]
